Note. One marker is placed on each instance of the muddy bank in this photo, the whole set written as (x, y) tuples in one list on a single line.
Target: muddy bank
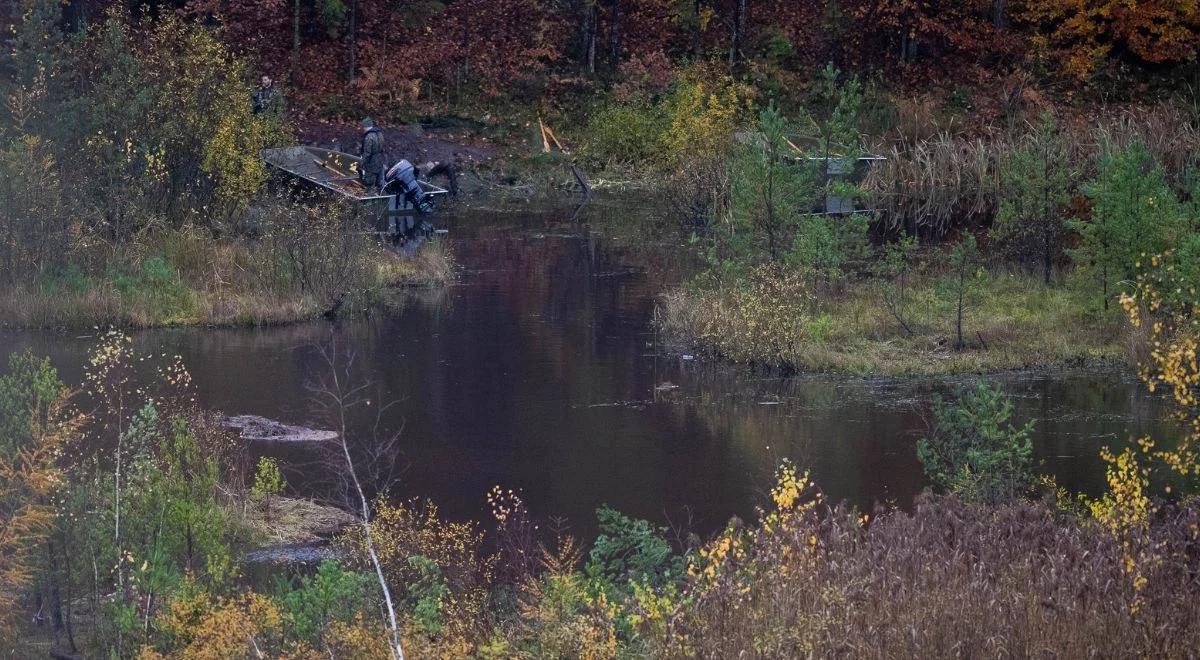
[(486, 169), (404, 141)]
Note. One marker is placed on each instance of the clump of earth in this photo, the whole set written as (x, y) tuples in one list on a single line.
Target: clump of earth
[(260, 429)]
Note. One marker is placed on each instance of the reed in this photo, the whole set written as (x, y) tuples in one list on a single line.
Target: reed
[(939, 178)]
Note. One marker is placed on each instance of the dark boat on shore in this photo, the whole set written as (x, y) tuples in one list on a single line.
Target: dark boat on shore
[(337, 173)]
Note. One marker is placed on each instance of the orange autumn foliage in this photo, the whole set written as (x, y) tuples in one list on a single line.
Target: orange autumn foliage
[(1088, 31)]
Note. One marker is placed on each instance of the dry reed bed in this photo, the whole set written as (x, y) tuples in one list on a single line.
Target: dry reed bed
[(950, 580), (935, 182)]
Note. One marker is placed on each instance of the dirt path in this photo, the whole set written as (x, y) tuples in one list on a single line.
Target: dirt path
[(402, 141)]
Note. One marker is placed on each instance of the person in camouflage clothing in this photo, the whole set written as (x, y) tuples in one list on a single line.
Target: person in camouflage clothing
[(371, 164), (267, 99)]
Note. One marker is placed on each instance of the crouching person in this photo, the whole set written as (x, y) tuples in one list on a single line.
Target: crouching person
[(401, 180)]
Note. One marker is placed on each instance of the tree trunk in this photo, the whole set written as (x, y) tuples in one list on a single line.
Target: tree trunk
[(295, 42), (593, 18), (696, 41), (614, 33), (352, 37), (1047, 253), (999, 11), (739, 27), (962, 290)]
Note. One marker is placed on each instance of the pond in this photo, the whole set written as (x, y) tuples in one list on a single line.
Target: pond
[(540, 370)]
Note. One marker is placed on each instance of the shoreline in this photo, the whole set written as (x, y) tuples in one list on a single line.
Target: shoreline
[(1024, 328)]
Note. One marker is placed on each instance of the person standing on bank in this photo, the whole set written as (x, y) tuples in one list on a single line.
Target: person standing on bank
[(267, 99), (371, 162)]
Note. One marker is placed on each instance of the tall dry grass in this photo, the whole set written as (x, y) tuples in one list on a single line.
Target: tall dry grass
[(937, 177), (947, 580)]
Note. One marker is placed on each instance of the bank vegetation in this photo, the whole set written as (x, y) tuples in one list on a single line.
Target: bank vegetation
[(123, 530), (132, 191)]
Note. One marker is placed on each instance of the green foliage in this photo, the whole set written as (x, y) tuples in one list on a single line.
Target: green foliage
[(770, 189), (157, 286), (34, 225), (332, 594), (959, 287), (157, 125), (625, 133), (836, 124), (1134, 213), (774, 189), (427, 594), (629, 551), (1036, 184), (268, 482), (70, 279), (27, 393), (172, 524), (897, 268), (824, 244), (975, 451)]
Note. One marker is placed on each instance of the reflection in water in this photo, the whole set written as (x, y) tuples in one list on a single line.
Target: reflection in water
[(540, 370)]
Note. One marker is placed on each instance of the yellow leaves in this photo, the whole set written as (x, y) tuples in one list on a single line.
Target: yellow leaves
[(1126, 505), (788, 486), (207, 629), (702, 115), (1174, 338)]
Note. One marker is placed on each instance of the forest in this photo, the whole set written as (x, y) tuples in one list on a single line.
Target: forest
[(945, 193)]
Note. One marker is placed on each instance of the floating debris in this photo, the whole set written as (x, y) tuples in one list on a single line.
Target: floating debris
[(260, 429)]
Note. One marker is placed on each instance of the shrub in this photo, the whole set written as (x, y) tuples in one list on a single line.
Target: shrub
[(770, 190), (975, 452), (625, 133), (332, 594), (421, 553), (268, 482), (28, 393), (34, 224), (1036, 184), (627, 552), (702, 112), (1134, 214), (156, 285), (959, 286)]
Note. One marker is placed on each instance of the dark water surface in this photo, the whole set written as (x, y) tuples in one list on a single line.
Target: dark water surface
[(540, 370)]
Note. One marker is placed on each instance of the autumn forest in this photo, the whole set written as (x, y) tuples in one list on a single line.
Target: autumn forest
[(599, 328)]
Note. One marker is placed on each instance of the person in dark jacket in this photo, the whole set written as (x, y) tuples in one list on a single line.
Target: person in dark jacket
[(267, 99), (371, 162)]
